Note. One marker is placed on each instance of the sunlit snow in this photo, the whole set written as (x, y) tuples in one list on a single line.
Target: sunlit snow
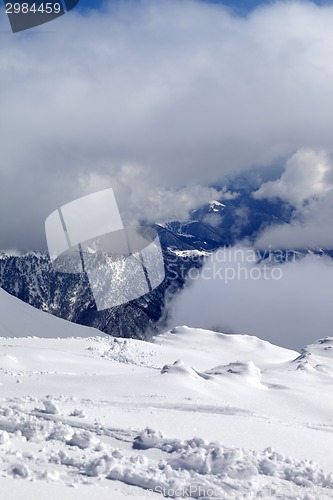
[(193, 414)]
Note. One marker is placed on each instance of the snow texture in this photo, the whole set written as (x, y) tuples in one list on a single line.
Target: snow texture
[(193, 414)]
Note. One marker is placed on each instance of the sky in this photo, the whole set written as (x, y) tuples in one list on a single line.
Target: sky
[(159, 100), (240, 5)]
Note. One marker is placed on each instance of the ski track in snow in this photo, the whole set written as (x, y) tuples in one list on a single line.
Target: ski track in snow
[(194, 414), (43, 444)]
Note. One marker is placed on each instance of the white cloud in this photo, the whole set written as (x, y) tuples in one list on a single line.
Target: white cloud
[(157, 204), (307, 174), (288, 306), (213, 220), (307, 183), (184, 89)]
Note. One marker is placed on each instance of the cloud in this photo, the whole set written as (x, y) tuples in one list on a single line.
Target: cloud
[(152, 205), (308, 174), (185, 91), (279, 304), (213, 220), (314, 231), (306, 183)]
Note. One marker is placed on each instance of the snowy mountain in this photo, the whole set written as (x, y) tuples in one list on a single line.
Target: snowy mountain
[(219, 224), (185, 244), (194, 412), (18, 319), (32, 279)]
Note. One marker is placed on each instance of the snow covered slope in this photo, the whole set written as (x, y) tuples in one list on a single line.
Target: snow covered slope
[(18, 319), (193, 414)]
